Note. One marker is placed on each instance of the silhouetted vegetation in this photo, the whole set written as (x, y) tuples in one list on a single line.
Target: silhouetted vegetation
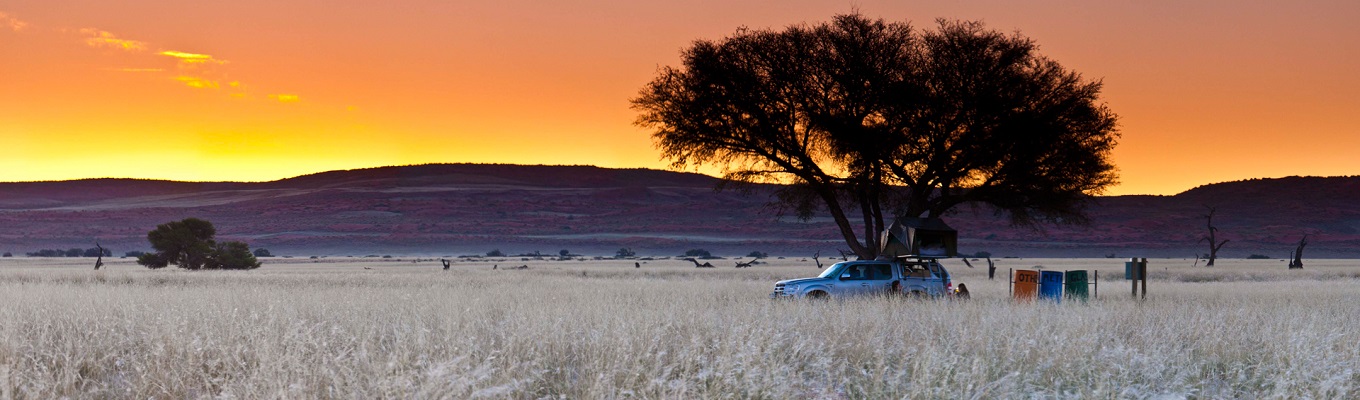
[(758, 254), (73, 252), (134, 254), (625, 253), (1258, 257), (1296, 256), (495, 253), (698, 253), (7, 254), (263, 252), (1214, 246), (189, 244), (865, 118)]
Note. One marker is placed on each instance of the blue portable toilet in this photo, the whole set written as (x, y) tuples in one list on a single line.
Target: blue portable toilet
[(1051, 285)]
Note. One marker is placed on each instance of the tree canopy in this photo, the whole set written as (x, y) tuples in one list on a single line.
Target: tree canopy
[(189, 244), (868, 117)]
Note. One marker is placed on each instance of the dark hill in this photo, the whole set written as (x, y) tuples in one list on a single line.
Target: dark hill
[(446, 209)]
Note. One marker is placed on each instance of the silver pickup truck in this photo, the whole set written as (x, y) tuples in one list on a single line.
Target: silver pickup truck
[(919, 277)]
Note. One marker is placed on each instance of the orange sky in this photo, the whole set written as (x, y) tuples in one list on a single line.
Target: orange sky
[(262, 90)]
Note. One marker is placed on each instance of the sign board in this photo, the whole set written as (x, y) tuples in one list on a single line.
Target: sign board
[(1051, 285), (1077, 285), (1131, 269), (1026, 284)]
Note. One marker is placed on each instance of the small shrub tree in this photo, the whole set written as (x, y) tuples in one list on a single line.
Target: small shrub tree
[(263, 252), (231, 255), (8, 254), (625, 253), (757, 254), (698, 253), (495, 253)]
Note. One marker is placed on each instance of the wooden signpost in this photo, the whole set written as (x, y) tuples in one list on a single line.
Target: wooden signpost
[(1137, 271)]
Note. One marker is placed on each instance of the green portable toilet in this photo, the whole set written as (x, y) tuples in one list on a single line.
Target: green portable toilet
[(1076, 287)]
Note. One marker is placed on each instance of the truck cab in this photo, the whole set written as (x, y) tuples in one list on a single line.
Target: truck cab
[(923, 277)]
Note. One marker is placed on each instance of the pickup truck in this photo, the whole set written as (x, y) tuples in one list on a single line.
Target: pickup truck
[(920, 277)]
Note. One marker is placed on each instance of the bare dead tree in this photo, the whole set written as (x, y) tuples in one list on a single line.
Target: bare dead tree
[(991, 269), (814, 258), (99, 262), (447, 263), (965, 262), (1196, 261), (1297, 261), (845, 255), (1213, 232), (747, 264), (698, 265)]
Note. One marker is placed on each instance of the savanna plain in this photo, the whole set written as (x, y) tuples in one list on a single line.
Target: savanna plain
[(405, 328)]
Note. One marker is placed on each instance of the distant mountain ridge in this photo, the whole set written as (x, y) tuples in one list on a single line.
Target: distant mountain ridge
[(473, 208)]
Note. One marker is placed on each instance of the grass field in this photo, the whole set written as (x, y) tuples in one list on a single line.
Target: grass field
[(380, 328)]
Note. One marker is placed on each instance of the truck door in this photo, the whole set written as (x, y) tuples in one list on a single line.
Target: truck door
[(878, 279)]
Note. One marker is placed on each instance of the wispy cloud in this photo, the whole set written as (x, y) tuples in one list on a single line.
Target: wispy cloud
[(286, 98), (136, 69), (195, 70), (191, 58), (13, 23), (98, 38), (197, 83)]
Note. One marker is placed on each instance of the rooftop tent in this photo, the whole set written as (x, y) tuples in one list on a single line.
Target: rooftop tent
[(927, 237)]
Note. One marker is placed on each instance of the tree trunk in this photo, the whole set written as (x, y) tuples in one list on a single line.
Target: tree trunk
[(1211, 238), (1297, 262)]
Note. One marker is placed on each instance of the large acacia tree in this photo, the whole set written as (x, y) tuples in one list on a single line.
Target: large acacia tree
[(189, 244), (865, 118)]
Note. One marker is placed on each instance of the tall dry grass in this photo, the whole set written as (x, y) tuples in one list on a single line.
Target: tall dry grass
[(608, 330)]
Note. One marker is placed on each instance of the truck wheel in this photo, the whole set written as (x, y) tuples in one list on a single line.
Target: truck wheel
[(818, 295)]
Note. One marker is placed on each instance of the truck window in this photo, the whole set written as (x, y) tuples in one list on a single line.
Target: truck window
[(916, 271), (857, 272), (880, 272)]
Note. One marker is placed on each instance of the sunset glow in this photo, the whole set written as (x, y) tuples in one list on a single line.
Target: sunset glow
[(1206, 91)]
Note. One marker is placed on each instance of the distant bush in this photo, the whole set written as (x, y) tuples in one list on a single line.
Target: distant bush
[(47, 253), (698, 253), (982, 254), (564, 252), (263, 252), (758, 254), (625, 253), (7, 254), (96, 252), (75, 252), (495, 253), (1258, 257)]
